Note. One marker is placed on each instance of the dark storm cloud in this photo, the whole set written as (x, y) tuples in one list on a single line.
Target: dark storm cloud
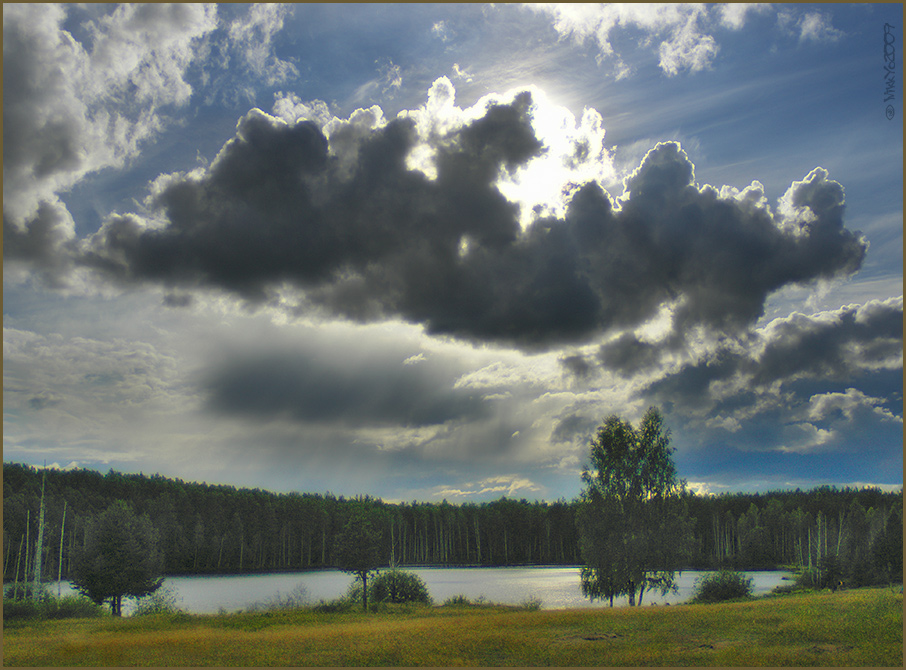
[(310, 389), (837, 346), (45, 243), (628, 355), (384, 240), (574, 428), (578, 366)]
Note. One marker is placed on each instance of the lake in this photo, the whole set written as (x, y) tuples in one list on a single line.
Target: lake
[(556, 587)]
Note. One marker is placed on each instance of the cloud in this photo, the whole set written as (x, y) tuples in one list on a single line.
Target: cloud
[(71, 109), (682, 34), (346, 221), (810, 27), (781, 382), (836, 345), (679, 30), (503, 484), (49, 371), (377, 391), (847, 405), (253, 36)]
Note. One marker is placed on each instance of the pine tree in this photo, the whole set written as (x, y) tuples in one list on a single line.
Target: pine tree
[(120, 558)]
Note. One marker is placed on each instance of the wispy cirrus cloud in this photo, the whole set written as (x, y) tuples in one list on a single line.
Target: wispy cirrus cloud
[(680, 31)]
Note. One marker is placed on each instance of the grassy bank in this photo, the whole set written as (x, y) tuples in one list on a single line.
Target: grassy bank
[(860, 627)]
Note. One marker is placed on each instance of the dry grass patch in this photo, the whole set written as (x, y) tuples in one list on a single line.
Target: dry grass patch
[(851, 628)]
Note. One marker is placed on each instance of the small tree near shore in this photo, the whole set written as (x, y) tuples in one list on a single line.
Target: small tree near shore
[(358, 549), (120, 558)]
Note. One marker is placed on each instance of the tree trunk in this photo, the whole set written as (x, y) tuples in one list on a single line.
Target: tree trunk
[(39, 544), (365, 591), (18, 562), (27, 547), (60, 569)]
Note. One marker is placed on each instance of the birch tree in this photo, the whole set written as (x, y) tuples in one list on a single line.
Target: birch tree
[(634, 529)]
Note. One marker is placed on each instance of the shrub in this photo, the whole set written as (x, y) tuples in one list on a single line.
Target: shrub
[(396, 586), (14, 610), (49, 607), (717, 587), (461, 600), (457, 600), (296, 599), (532, 604), (73, 607), (162, 601)]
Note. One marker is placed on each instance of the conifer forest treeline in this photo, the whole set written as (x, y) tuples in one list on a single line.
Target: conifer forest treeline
[(206, 528)]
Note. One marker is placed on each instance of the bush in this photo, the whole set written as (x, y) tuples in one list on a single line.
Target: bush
[(461, 600), (296, 599), (532, 604), (49, 607), (14, 610), (717, 587), (72, 607), (162, 601), (396, 586)]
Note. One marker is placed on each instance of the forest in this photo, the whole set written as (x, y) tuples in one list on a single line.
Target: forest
[(204, 528)]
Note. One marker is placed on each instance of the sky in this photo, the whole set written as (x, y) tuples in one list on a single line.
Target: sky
[(421, 252)]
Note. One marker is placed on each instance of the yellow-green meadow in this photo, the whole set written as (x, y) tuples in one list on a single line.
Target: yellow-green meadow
[(861, 627)]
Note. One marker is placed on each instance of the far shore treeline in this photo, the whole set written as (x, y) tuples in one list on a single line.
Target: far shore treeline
[(205, 528)]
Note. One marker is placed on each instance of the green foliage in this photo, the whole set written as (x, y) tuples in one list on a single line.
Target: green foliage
[(531, 604), (635, 531), (397, 586), (120, 558), (458, 600), (358, 548), (887, 555), (48, 607), (161, 601), (296, 599), (205, 528), (720, 586), (26, 591)]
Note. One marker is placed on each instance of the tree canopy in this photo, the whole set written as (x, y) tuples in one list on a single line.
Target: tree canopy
[(634, 528), (359, 548), (120, 557)]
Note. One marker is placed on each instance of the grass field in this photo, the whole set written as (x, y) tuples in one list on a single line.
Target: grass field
[(850, 628)]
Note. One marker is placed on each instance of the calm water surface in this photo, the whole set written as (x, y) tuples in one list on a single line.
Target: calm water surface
[(557, 587)]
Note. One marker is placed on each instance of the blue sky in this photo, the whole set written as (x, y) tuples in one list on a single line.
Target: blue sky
[(422, 251)]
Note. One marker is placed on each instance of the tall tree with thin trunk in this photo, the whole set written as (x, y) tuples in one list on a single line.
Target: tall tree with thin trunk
[(358, 548), (634, 528), (39, 544)]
